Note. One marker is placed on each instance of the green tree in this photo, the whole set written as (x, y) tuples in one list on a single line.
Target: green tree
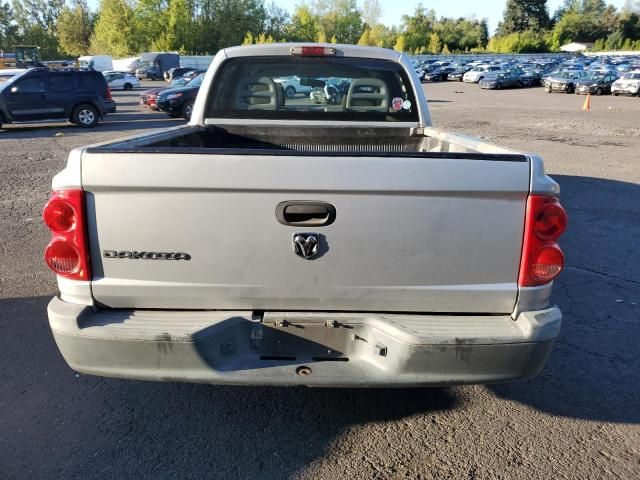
[(8, 29), (248, 39), (417, 28), (36, 24), (177, 34), (276, 22), (371, 12), (304, 25), (114, 32), (400, 44), (339, 18), (529, 41), (575, 26), (43, 13), (521, 15), (435, 45), (364, 38), (150, 20), (74, 29)]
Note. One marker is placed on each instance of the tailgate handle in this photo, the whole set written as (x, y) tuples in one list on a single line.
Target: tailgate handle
[(300, 213)]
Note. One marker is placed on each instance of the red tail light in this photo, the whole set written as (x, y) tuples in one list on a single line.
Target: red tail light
[(108, 96), (67, 254), (542, 260)]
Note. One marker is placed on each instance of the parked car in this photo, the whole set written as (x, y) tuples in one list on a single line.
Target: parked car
[(506, 79), (121, 81), (458, 73), (596, 83), (479, 72), (275, 241), (178, 102), (530, 78), (628, 84), (292, 86), (439, 74), (80, 96), (565, 81), (178, 82), (148, 97), (176, 72)]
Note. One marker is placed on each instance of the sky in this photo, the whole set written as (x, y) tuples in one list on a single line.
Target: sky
[(392, 10)]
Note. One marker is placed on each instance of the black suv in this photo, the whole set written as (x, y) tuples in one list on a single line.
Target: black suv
[(80, 96)]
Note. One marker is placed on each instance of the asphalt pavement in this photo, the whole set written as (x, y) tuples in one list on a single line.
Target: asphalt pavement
[(580, 419)]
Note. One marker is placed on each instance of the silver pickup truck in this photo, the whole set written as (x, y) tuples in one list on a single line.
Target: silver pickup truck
[(329, 238)]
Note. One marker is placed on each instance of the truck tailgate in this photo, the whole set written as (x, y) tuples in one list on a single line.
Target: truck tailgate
[(414, 233)]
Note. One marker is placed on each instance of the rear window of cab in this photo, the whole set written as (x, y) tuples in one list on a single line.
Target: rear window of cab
[(312, 88)]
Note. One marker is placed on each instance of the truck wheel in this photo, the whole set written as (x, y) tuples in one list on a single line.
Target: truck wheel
[(128, 86), (85, 116), (290, 91), (187, 110), (598, 91)]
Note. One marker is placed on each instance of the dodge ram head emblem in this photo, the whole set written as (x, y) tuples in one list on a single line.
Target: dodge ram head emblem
[(306, 245)]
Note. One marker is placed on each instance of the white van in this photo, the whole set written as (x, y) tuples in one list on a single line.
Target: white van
[(97, 62)]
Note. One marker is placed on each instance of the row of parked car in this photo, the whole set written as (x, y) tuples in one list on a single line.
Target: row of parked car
[(508, 73), (581, 75), (178, 98)]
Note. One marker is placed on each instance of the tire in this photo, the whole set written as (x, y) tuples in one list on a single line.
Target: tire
[(187, 110), (128, 86), (598, 91), (498, 86), (85, 115), (615, 94), (290, 91), (569, 88)]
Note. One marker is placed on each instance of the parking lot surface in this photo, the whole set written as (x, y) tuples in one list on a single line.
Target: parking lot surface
[(579, 419)]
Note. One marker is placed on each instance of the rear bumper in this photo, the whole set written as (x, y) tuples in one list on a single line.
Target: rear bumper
[(632, 90), (339, 349), (109, 106)]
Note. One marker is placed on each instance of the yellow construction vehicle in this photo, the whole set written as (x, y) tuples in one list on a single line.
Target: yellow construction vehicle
[(23, 56)]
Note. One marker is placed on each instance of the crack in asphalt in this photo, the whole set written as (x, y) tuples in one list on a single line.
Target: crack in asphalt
[(602, 274)]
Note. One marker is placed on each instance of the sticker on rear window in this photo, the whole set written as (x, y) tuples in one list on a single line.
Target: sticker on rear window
[(406, 105), (396, 104)]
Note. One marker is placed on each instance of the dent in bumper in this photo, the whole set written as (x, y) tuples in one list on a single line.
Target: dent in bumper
[(358, 350)]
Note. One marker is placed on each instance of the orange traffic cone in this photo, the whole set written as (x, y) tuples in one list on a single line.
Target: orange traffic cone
[(587, 103)]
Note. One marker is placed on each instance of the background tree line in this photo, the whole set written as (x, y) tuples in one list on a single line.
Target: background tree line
[(528, 27), (68, 28)]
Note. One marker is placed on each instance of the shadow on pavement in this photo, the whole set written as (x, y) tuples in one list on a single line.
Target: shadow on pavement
[(116, 122), (594, 371), (52, 421)]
